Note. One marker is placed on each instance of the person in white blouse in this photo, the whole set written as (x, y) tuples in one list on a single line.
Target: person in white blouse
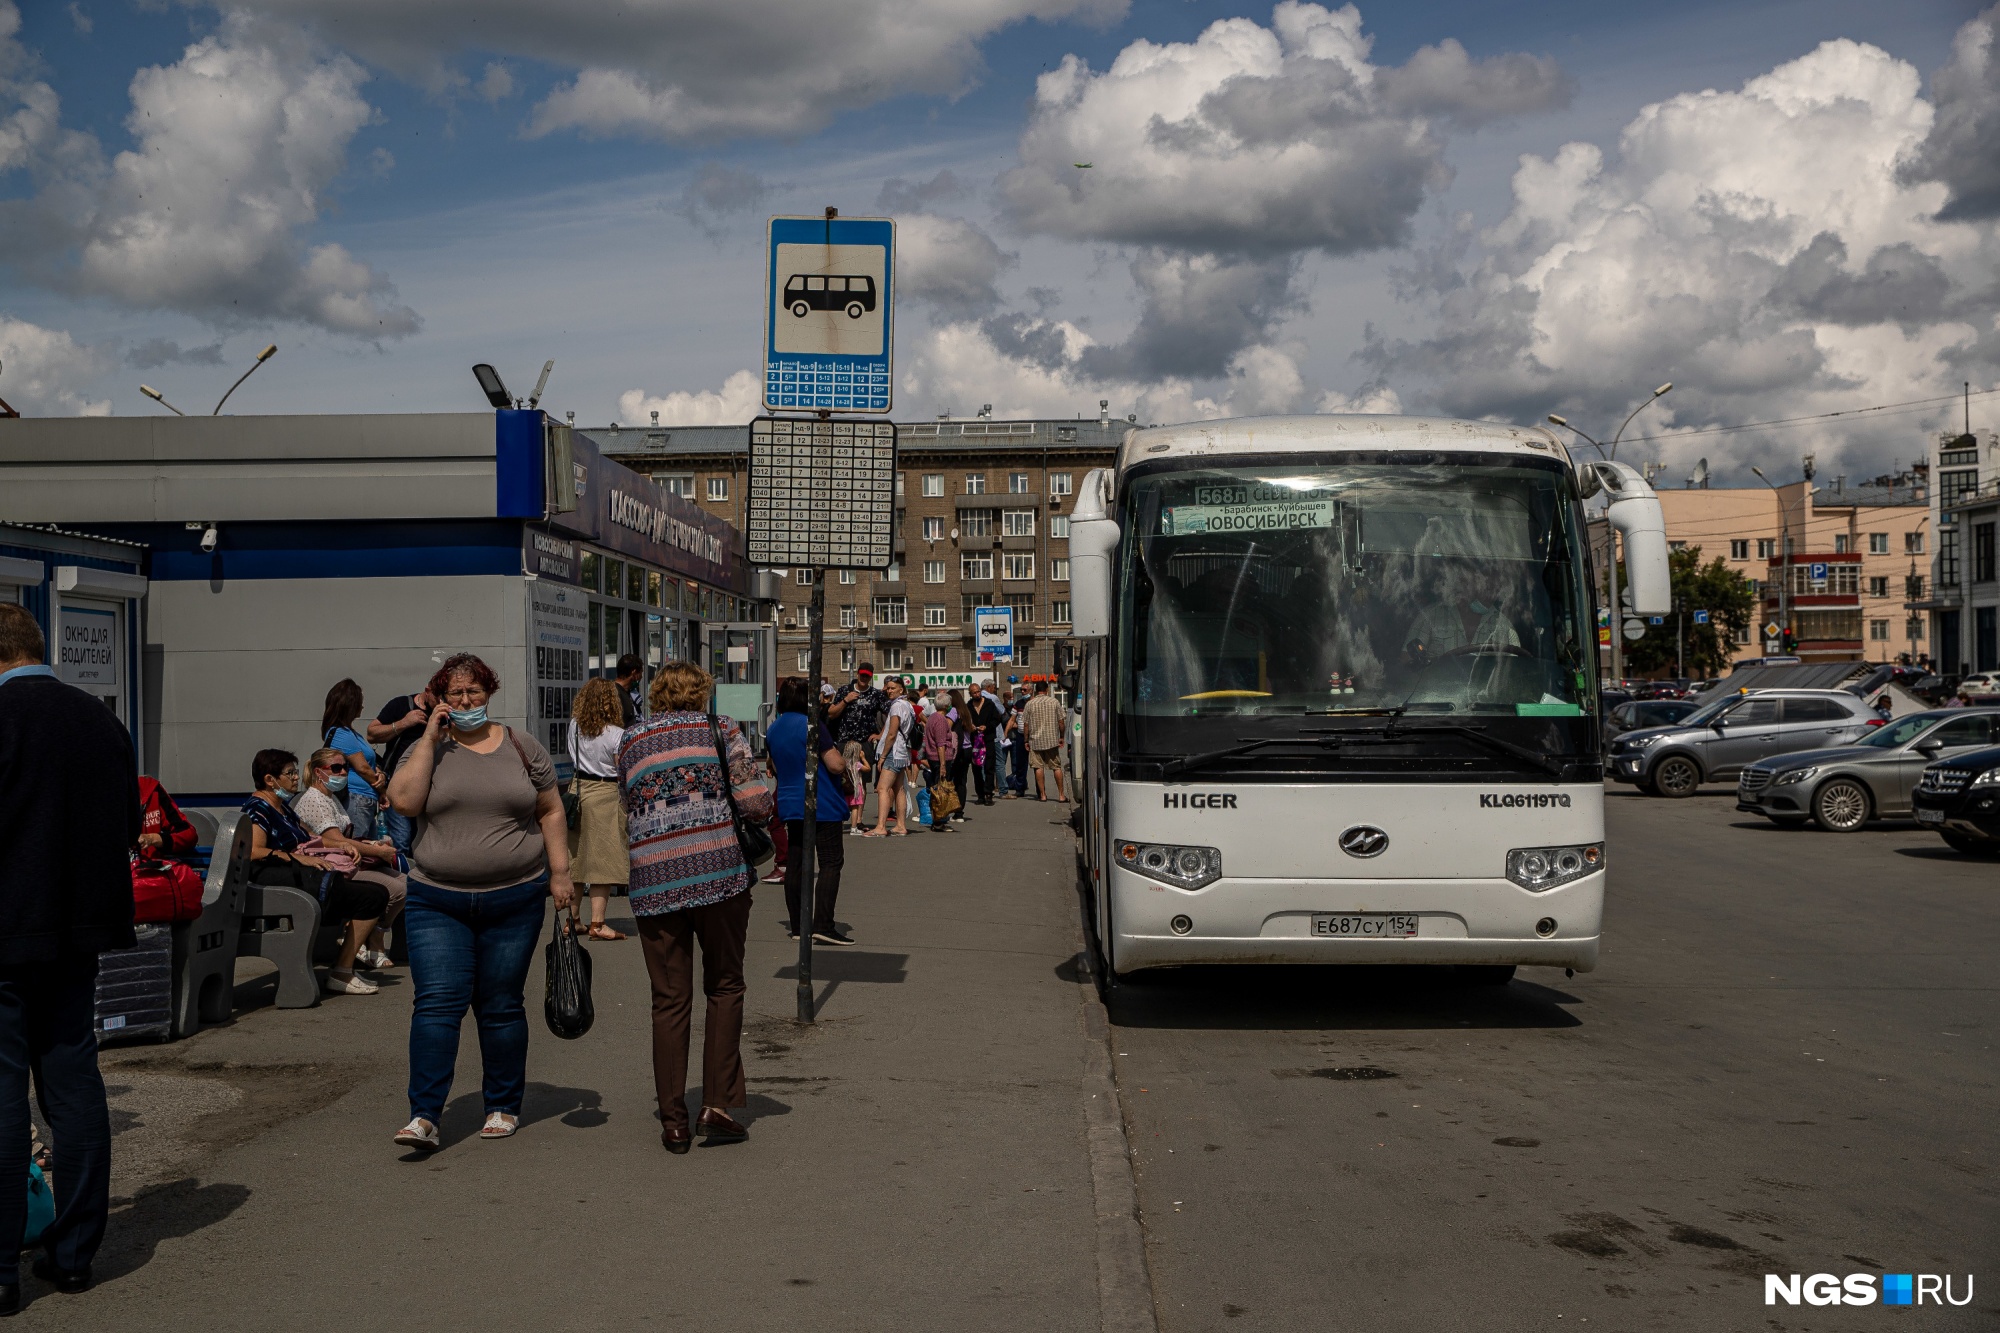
[(599, 858)]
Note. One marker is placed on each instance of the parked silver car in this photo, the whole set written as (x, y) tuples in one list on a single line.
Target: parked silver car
[(1844, 787), (1716, 741)]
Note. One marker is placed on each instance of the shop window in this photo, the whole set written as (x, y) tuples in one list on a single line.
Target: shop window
[(652, 589), (934, 659), (1739, 548), (1059, 526), (933, 483), (635, 584), (614, 578), (1017, 566), (591, 571), (718, 488), (670, 595), (933, 571)]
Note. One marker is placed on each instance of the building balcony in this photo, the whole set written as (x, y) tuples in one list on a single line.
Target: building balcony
[(1017, 543), (985, 542), (892, 633)]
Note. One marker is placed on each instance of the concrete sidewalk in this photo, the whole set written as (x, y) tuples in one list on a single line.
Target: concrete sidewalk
[(917, 1159)]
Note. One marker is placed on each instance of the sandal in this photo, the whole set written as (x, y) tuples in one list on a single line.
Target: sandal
[(420, 1134), (600, 930), (499, 1125), (872, 833)]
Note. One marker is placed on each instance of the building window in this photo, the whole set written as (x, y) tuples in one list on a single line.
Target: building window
[(847, 577), (975, 483), (1059, 571), (971, 601), (1840, 544), (933, 659), (933, 571), (1739, 548), (1059, 613), (848, 619), (1059, 526), (1840, 579), (718, 488), (933, 529), (1766, 547), (1913, 588), (892, 610), (1017, 566), (975, 523), (1878, 631), (1059, 483), (805, 659), (975, 566), (1914, 630), (1913, 543), (933, 483), (1878, 585), (1017, 483), (893, 574), (892, 659), (803, 577), (1023, 606), (847, 659), (1018, 523), (934, 615), (677, 483), (1878, 543), (1982, 552), (1677, 546), (1947, 560), (1743, 635), (1954, 486)]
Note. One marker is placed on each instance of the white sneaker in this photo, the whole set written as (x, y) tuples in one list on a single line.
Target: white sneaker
[(346, 983), (420, 1134), (499, 1125)]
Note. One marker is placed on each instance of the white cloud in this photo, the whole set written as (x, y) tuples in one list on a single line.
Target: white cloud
[(238, 144), (717, 194), (1756, 247), (497, 84), (735, 403), (691, 69), (43, 372), (1961, 148), (948, 263)]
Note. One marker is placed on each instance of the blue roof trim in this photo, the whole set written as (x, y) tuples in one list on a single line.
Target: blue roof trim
[(333, 549)]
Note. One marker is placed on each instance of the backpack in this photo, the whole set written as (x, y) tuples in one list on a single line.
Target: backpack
[(913, 732)]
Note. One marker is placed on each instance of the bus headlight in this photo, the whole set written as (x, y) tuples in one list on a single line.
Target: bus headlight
[(1539, 868), (1182, 867)]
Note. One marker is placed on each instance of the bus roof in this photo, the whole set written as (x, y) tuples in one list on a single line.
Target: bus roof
[(1309, 434)]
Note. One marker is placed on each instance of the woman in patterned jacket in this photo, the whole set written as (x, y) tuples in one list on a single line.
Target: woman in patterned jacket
[(689, 883)]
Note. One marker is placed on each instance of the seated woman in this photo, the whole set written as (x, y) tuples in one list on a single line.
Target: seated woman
[(275, 837), (319, 808), (164, 832)]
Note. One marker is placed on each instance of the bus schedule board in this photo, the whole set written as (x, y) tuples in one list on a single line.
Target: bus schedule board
[(829, 314), (822, 494)]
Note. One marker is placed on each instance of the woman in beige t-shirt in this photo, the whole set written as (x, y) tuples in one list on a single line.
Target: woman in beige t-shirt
[(490, 846)]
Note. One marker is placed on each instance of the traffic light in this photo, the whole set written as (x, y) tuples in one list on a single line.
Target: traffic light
[(1788, 642)]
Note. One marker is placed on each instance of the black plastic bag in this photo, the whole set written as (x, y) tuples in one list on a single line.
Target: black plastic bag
[(566, 1004)]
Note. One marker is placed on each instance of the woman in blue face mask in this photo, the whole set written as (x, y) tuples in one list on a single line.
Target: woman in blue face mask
[(489, 848), (320, 808)]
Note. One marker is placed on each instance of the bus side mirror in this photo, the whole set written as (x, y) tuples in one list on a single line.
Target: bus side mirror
[(1634, 510), (1093, 537)]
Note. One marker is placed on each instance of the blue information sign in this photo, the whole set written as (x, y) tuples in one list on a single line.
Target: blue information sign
[(1816, 573), (829, 323), (1701, 617)]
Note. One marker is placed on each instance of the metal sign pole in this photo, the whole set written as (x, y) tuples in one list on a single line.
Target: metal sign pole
[(815, 710)]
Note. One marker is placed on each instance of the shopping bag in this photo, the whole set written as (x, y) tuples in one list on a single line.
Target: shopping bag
[(944, 799), (164, 891), (41, 1204), (566, 995), (923, 805)]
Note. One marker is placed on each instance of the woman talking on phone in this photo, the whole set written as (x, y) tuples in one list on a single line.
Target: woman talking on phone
[(489, 845)]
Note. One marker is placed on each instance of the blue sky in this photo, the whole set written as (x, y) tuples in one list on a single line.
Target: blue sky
[(419, 212)]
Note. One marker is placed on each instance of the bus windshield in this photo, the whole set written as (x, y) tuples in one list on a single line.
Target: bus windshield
[(1451, 585)]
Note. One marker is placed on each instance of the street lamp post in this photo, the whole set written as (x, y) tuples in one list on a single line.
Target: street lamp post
[(160, 398), (1784, 556)]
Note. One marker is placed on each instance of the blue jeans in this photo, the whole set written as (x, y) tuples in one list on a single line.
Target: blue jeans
[(1017, 761), (362, 807), (45, 1026), (470, 951), (400, 830)]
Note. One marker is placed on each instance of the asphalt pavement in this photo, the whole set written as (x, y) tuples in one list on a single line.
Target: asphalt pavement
[(1784, 1063)]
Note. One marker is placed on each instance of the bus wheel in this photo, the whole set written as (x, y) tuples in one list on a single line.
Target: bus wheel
[(1486, 974), (1841, 806), (854, 310), (799, 309), (1676, 776)]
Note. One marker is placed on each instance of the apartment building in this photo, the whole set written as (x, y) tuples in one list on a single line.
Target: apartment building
[(982, 510), (1869, 544), (1963, 600)]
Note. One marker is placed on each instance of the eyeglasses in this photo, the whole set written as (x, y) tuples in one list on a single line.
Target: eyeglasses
[(335, 768), (468, 694)]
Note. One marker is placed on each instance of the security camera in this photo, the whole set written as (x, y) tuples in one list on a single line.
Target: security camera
[(208, 538)]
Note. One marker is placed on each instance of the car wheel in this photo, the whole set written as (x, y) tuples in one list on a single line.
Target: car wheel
[(1841, 806), (1676, 776), (1960, 842), (854, 310), (799, 308)]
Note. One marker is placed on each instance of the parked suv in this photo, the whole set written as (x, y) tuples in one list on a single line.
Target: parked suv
[(1842, 788), (1714, 742), (1960, 798)]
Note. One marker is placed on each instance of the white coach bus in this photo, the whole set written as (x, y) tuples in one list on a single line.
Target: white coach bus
[(1338, 683)]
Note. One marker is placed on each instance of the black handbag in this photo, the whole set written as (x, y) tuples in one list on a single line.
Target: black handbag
[(566, 995), (754, 840)]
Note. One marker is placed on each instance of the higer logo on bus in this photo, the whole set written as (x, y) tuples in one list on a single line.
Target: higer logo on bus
[(1861, 1289)]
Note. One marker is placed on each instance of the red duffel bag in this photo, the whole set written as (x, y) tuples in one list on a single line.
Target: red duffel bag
[(164, 891)]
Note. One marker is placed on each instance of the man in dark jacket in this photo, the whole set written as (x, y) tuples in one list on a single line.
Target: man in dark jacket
[(69, 817), (986, 718)]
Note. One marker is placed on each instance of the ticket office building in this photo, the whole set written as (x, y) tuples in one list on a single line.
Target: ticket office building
[(283, 554)]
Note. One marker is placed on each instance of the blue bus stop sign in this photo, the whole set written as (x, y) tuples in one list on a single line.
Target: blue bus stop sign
[(1701, 617), (829, 322)]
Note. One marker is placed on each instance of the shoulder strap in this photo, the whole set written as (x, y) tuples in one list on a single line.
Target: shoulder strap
[(522, 754), (722, 757)]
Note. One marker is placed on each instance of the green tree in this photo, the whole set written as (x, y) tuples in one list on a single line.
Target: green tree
[(1714, 588)]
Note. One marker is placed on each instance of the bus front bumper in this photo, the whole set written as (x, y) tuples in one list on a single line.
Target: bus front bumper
[(1474, 921)]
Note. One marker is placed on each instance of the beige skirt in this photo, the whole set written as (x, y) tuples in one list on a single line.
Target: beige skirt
[(597, 849)]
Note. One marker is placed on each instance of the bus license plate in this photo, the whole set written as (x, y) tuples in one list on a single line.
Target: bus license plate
[(1365, 925), (1930, 816)]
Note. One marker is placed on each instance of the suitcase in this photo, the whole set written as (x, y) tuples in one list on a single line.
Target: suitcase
[(135, 988)]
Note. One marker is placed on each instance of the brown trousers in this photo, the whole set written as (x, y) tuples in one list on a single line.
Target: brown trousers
[(668, 943)]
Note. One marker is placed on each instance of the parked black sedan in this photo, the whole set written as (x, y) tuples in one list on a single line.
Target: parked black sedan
[(1960, 798)]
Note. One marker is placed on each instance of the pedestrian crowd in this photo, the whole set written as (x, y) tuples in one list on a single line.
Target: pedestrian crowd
[(453, 834)]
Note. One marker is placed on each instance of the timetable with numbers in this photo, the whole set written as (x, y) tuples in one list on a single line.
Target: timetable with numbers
[(822, 494)]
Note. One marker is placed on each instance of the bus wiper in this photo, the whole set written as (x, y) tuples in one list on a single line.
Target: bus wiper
[(1478, 735), (1170, 767)]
